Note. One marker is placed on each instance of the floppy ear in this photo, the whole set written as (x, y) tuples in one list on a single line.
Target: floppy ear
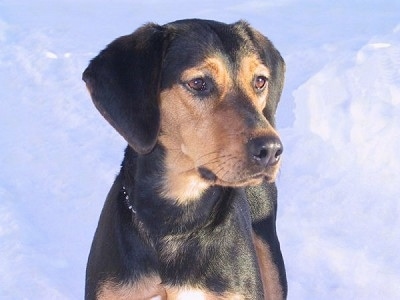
[(274, 61), (277, 65), (123, 81)]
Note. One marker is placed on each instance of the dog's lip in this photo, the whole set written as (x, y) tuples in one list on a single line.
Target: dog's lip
[(241, 183), (246, 181), (210, 176), (207, 174)]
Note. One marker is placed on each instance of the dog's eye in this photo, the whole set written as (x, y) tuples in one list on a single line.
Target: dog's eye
[(197, 84), (260, 82)]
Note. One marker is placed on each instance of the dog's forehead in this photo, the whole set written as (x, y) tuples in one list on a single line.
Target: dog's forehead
[(210, 35), (191, 43)]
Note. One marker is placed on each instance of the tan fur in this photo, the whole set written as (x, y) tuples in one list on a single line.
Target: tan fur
[(210, 132), (145, 289), (251, 65), (269, 273), (186, 125)]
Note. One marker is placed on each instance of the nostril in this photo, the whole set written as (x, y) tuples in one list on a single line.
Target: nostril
[(279, 151), (276, 151), (263, 154)]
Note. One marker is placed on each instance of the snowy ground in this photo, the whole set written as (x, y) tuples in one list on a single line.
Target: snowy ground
[(339, 210)]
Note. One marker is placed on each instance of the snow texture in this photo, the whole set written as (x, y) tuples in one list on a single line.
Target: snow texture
[(339, 117)]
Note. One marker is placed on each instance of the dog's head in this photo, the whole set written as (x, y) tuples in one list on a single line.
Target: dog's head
[(206, 91)]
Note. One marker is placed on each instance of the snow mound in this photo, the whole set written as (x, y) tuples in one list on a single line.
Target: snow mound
[(340, 178)]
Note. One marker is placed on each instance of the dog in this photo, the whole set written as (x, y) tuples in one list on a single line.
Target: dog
[(192, 212)]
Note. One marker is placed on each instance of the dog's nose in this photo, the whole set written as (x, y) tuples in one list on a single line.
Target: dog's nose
[(265, 151)]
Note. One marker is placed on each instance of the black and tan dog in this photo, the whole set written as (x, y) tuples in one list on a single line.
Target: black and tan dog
[(191, 214)]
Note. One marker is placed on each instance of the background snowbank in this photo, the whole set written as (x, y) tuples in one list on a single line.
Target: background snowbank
[(340, 180)]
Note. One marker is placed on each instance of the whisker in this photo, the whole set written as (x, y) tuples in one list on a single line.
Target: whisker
[(222, 159), (230, 168), (221, 168), (207, 154), (215, 159)]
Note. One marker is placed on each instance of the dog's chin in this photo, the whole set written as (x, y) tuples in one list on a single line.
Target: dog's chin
[(251, 180)]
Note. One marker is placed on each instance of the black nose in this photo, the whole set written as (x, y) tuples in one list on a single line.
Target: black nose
[(265, 151)]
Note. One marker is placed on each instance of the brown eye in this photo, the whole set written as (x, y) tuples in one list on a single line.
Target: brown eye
[(260, 82), (198, 84)]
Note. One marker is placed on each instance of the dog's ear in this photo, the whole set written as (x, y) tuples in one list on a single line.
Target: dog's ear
[(274, 61), (124, 80), (276, 82)]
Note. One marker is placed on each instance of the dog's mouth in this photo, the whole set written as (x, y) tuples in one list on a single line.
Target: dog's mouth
[(249, 180), (207, 174)]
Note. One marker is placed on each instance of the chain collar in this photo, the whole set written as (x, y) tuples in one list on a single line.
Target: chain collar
[(127, 200)]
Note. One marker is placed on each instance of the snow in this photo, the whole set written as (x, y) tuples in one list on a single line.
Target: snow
[(340, 179), (339, 119)]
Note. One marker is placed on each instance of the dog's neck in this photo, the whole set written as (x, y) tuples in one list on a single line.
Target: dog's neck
[(142, 181)]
